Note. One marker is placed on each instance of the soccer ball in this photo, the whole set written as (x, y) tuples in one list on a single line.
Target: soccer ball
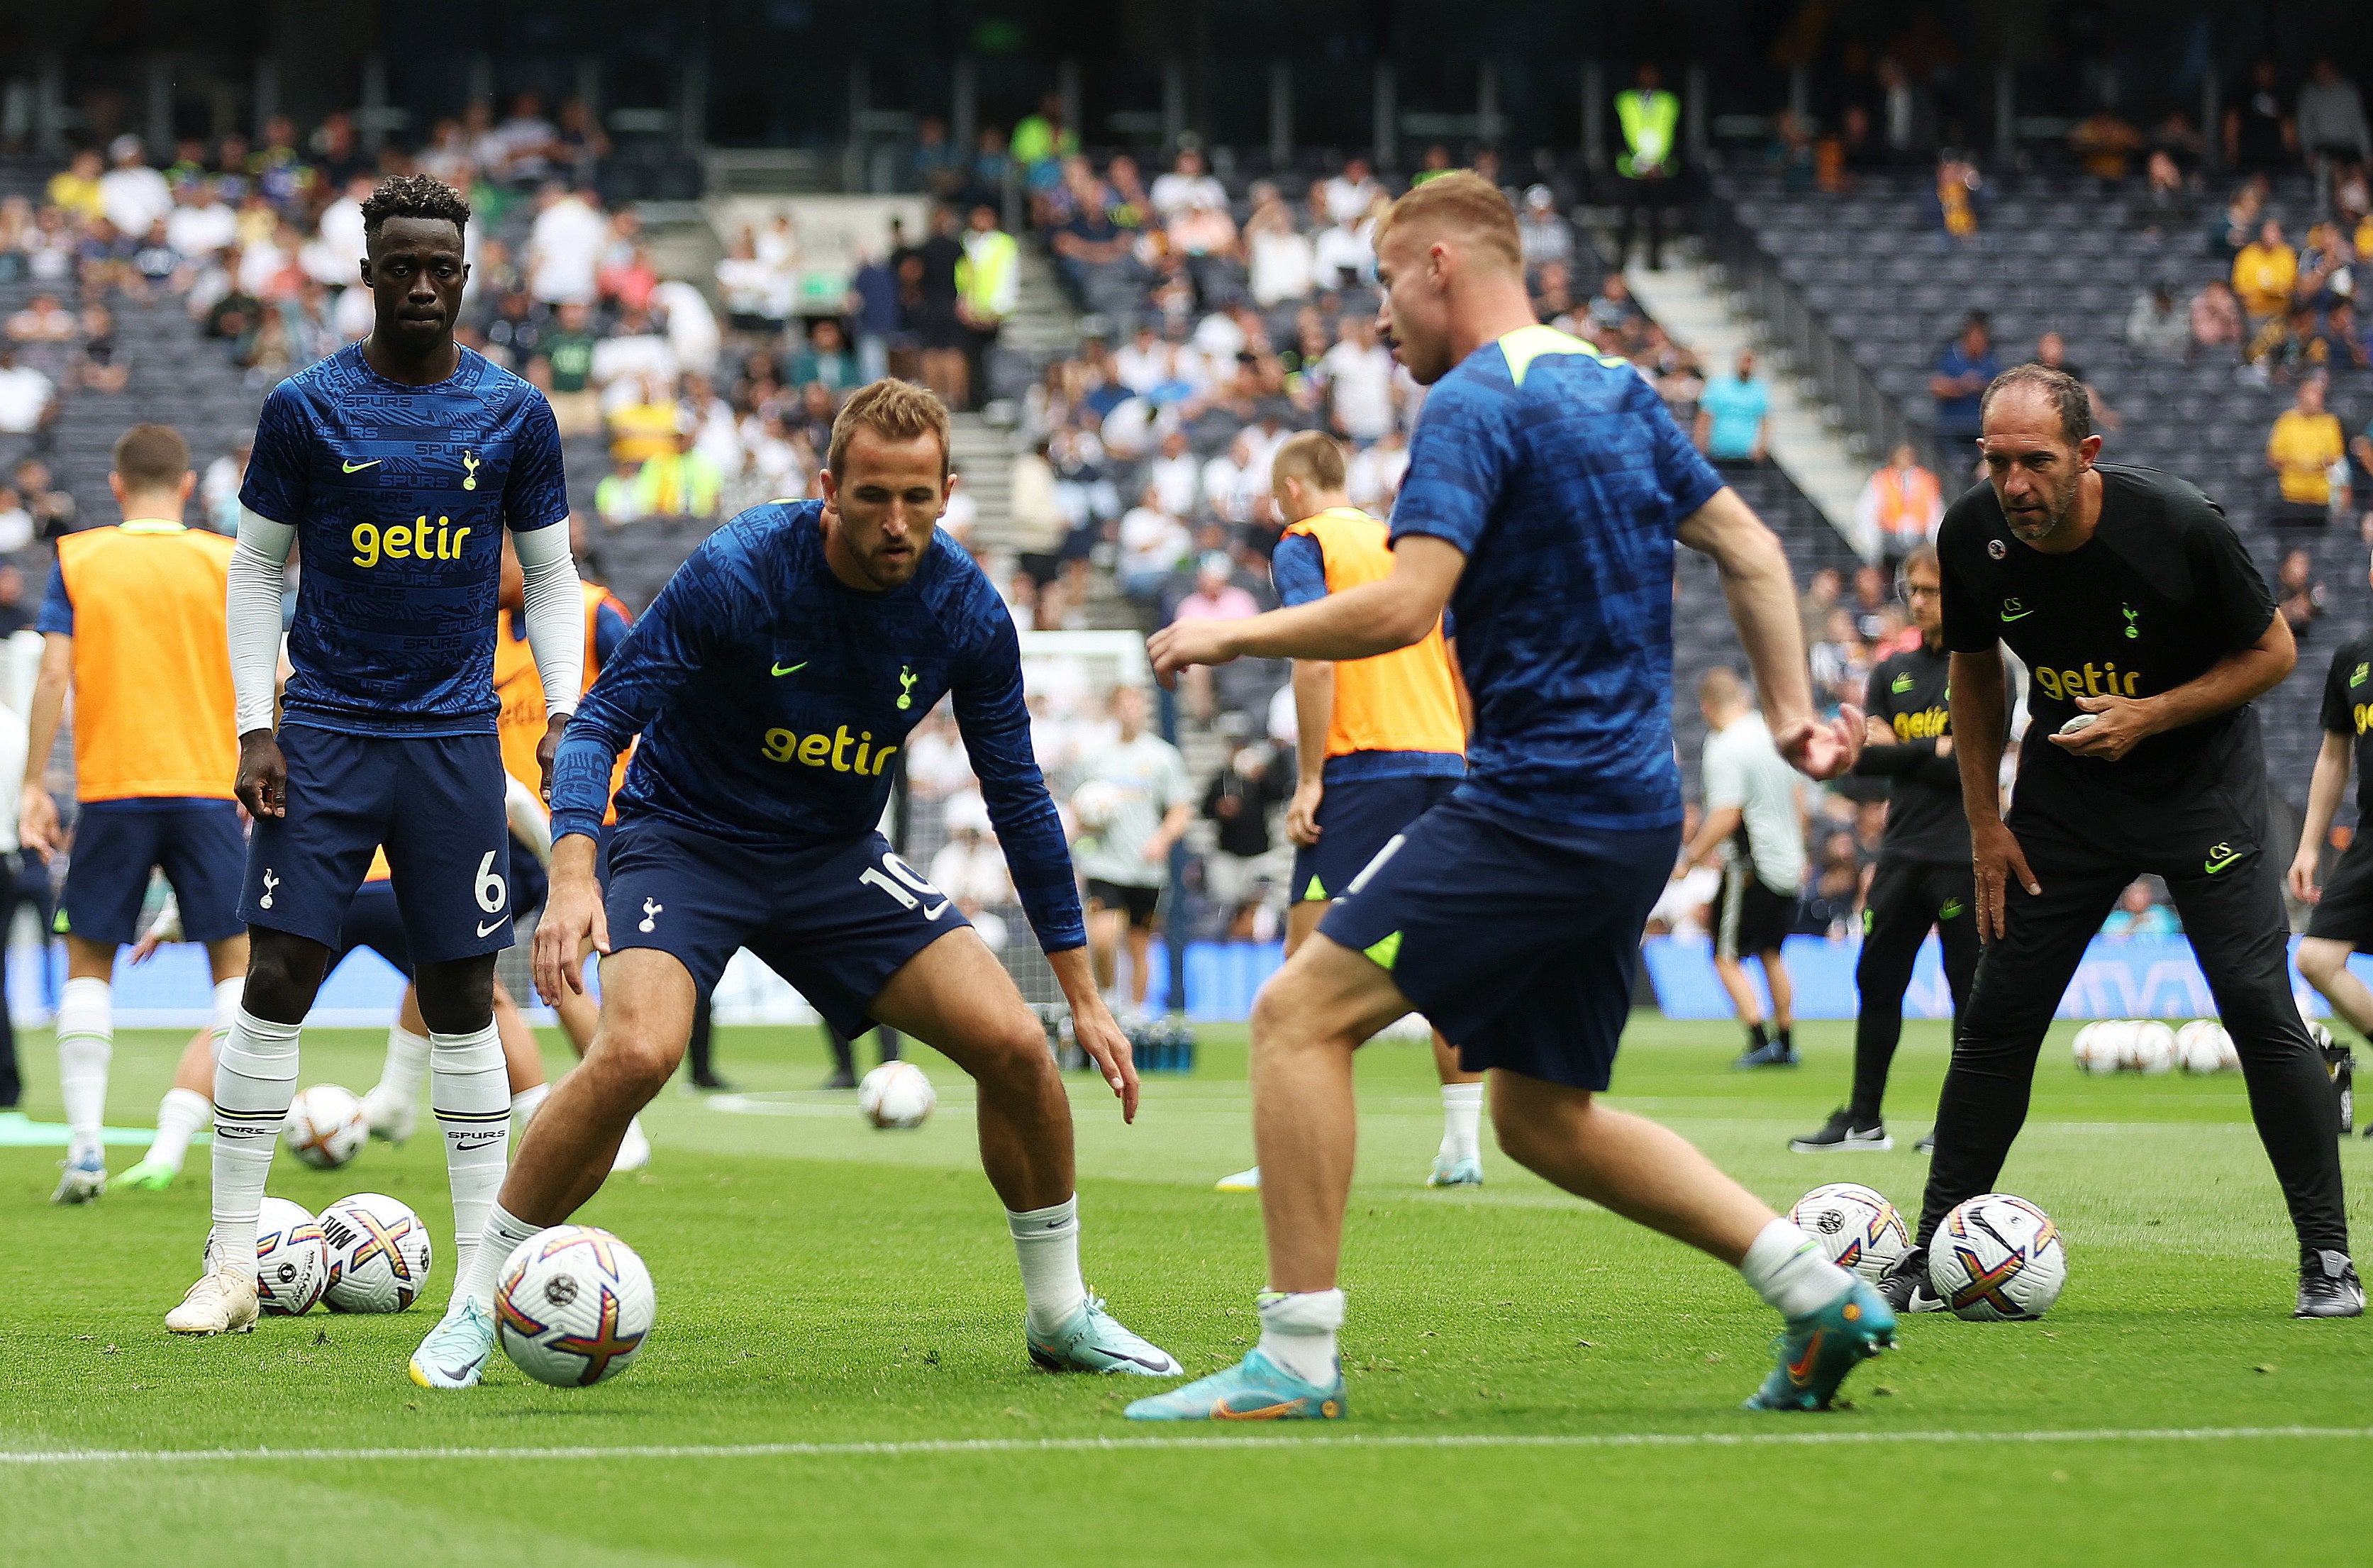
[(378, 1254), (2086, 1047), (1997, 1258), (1857, 1228), (325, 1126), (2153, 1047), (2199, 1045), (2105, 1047), (2228, 1054), (1095, 802), (573, 1306), (896, 1095), (292, 1261)]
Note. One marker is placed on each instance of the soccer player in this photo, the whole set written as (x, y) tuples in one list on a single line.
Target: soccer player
[(394, 464), (1922, 879), (1546, 490), (772, 683), (1379, 742), (1126, 857), (132, 630), (2147, 632), (1753, 826), (2343, 921)]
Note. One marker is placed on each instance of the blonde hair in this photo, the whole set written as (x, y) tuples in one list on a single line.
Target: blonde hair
[(1468, 206), (1314, 457), (893, 410)]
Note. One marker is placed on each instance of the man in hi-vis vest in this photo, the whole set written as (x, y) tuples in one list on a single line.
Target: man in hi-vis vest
[(1649, 119)]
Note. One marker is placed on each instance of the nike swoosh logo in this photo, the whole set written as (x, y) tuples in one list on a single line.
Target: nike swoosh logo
[(790, 668), (358, 467), (2215, 866), (2020, 617), (1220, 1412), (1800, 1372), (455, 1373), (488, 929), (936, 910)]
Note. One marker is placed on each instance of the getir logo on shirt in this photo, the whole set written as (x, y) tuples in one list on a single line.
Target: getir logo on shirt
[(419, 539), (839, 751)]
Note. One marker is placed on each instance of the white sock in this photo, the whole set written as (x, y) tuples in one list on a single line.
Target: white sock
[(524, 1104), (407, 1064), (469, 1086), (86, 1042), (1462, 1114), (227, 996), (504, 1232), (1298, 1332), (179, 1116), (255, 1077), (1047, 1241), (1787, 1270)]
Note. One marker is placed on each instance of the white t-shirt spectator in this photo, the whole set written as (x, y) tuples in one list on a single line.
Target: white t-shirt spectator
[(1175, 480), (1282, 267), (342, 235), (202, 228), (1743, 768), (1375, 473), (1151, 541), (355, 314), (623, 358), (973, 874), (1147, 777), (564, 247), (1142, 366), (1359, 385), (691, 325), (134, 198), (16, 530), (1174, 192), (25, 395), (1217, 336), (1348, 201), (1340, 249)]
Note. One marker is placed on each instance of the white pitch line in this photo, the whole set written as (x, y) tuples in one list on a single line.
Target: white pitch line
[(955, 1446)]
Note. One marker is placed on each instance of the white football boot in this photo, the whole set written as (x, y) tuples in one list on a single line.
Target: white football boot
[(222, 1302)]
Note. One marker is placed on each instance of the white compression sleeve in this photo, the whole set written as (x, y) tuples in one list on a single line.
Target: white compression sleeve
[(556, 614), (259, 568), (528, 821)]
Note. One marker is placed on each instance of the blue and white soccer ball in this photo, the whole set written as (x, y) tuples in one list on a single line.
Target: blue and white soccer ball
[(1854, 1226), (378, 1254), (573, 1305), (292, 1259), (1997, 1258)]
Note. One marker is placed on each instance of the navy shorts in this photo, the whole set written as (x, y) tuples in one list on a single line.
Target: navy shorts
[(1518, 940), (435, 802), (375, 921), (200, 844), (1356, 819), (837, 921)]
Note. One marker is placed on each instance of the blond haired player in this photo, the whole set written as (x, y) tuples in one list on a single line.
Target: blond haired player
[(1380, 742)]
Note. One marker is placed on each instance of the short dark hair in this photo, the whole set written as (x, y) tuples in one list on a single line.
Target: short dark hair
[(2066, 393), (151, 457), (415, 195)]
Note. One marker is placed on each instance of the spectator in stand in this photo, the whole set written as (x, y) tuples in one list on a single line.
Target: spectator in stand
[(1955, 202), (1153, 543), (1092, 251), (750, 290), (1216, 597), (1204, 237), (200, 227), (2175, 137), (1341, 254), (1347, 197), (28, 400), (988, 282), (2051, 353), (1173, 477), (1821, 597), (1188, 184), (931, 308), (2259, 133), (1281, 264), (2139, 914), (874, 307), (568, 346), (1839, 661), (2156, 327), (1900, 506), (1041, 140), (2329, 123), (680, 484), (2165, 206), (2104, 144), (1239, 801), (615, 498), (579, 145), (74, 190), (2300, 599), (1357, 375), (52, 510), (2326, 272), (131, 194), (1963, 371), (2301, 448), (2341, 340), (2216, 317), (642, 422), (825, 360), (1542, 232), (1734, 425), (1648, 118), (1612, 308), (564, 247), (100, 367)]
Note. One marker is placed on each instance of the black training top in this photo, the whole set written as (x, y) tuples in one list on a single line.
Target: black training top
[(2348, 710), (2162, 590), (1910, 694)]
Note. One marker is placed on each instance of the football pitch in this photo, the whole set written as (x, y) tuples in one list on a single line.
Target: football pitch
[(837, 1374)]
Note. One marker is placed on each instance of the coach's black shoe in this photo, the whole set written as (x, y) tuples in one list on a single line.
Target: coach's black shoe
[(1840, 1133), (1927, 1144), (2329, 1288), (711, 1082), (843, 1079), (1905, 1286), (1774, 1054)]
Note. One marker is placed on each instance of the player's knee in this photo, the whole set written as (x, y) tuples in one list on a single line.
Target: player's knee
[(2321, 961), (636, 1063), (280, 983), (1013, 1055)]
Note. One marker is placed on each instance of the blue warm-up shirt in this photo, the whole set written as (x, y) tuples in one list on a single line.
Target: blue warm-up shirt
[(773, 699), (399, 496), (1562, 478)]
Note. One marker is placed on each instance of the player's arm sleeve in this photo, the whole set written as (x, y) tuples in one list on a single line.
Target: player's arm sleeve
[(1968, 626), (996, 728), (2230, 582), (2339, 715), (555, 614), (1681, 469), (609, 627), (255, 580), (56, 617), (1456, 462), (1298, 569)]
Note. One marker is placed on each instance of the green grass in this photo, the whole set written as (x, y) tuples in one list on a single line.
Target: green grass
[(824, 1284)]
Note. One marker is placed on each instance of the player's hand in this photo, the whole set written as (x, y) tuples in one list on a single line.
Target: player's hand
[(262, 785), (1995, 851), (2302, 880), (1822, 750), (1108, 1047), (2123, 722), (1182, 643), (1944, 746), (572, 916), (545, 750), (146, 948), (1301, 812), (1875, 732), (37, 823)]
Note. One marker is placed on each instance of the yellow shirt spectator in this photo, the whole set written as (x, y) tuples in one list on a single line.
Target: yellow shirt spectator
[(641, 431), (2263, 274), (2302, 447), (75, 190)]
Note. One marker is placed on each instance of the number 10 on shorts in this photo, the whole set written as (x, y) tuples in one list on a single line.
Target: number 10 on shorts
[(909, 888)]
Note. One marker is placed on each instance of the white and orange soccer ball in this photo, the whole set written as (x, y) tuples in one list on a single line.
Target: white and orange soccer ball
[(573, 1305), (378, 1254), (896, 1095), (292, 1260), (1856, 1227), (2155, 1047), (325, 1126), (1997, 1258), (2200, 1045)]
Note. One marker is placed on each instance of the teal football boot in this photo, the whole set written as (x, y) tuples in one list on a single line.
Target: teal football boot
[(1255, 1388), (1092, 1339), (1817, 1350)]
